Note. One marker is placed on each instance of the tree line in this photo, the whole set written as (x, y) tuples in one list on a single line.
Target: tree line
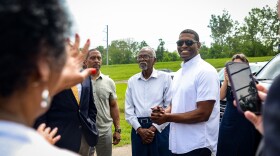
[(258, 35)]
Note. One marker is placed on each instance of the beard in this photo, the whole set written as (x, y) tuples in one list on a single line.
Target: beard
[(143, 65)]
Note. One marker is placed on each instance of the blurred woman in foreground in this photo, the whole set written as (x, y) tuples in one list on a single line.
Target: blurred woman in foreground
[(35, 64)]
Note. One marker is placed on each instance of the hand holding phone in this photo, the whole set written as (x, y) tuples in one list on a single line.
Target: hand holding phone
[(244, 87)]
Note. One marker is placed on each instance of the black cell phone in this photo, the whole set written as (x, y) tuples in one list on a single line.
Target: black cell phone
[(243, 87)]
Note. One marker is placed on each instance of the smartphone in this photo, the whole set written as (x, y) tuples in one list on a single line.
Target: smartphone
[(243, 87)]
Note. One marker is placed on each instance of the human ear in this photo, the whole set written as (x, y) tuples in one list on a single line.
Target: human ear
[(43, 69), (198, 45)]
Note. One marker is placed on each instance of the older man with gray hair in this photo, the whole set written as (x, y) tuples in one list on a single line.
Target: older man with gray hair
[(145, 90)]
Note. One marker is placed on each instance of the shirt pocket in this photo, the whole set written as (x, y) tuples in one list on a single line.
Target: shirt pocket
[(102, 93)]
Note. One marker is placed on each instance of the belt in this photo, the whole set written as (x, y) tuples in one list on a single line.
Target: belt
[(144, 120)]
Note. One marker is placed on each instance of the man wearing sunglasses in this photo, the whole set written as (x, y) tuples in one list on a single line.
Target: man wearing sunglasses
[(145, 90), (194, 112)]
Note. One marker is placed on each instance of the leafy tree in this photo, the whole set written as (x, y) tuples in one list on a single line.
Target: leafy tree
[(124, 51), (204, 50), (120, 52), (160, 50), (170, 56), (222, 28), (143, 44), (103, 52), (257, 36), (262, 27)]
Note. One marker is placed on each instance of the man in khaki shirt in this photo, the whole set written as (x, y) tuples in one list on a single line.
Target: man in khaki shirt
[(104, 92)]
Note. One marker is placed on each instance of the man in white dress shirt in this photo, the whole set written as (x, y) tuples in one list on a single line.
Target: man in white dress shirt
[(195, 105), (145, 90)]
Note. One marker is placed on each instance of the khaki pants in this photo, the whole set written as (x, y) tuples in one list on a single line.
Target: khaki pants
[(104, 145), (84, 148)]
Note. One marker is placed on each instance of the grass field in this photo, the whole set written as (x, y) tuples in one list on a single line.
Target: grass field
[(122, 72)]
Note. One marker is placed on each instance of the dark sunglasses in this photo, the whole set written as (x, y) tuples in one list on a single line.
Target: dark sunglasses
[(187, 42)]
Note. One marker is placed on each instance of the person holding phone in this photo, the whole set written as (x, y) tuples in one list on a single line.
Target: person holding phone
[(237, 136), (268, 124)]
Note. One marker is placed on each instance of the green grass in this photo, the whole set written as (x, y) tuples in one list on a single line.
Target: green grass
[(126, 128), (123, 72)]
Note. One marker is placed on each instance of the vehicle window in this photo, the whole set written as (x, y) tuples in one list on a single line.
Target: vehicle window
[(255, 67), (221, 74), (271, 70)]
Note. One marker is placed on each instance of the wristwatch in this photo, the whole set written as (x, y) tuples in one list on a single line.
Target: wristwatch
[(118, 130)]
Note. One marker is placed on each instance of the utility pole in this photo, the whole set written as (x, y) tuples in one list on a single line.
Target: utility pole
[(107, 43)]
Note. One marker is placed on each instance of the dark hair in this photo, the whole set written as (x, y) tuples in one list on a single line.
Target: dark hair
[(91, 50), (30, 29), (242, 57), (190, 31)]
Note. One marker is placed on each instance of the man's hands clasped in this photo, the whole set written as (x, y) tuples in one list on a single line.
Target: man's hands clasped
[(158, 115), (147, 134)]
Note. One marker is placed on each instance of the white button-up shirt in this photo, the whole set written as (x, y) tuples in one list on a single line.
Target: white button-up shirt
[(196, 81), (143, 94)]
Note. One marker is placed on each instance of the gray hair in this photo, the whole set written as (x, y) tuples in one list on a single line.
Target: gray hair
[(148, 48)]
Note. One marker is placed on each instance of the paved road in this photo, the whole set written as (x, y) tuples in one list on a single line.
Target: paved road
[(122, 151)]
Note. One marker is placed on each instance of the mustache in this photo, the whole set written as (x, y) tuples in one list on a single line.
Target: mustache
[(143, 65)]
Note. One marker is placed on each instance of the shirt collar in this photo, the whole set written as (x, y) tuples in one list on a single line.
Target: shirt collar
[(191, 61), (100, 76), (154, 75)]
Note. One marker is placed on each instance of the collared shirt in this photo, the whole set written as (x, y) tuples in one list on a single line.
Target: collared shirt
[(79, 86), (104, 90), (79, 89), (17, 140), (143, 94), (196, 81)]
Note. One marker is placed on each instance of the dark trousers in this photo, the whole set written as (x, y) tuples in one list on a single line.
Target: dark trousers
[(158, 147), (196, 152)]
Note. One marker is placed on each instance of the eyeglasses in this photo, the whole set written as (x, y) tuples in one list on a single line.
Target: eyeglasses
[(187, 42), (144, 57)]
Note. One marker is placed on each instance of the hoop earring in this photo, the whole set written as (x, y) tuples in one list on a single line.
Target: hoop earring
[(45, 98)]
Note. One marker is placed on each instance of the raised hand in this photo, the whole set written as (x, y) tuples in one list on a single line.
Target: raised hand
[(71, 73)]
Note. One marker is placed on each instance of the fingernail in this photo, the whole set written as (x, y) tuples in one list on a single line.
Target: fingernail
[(88, 41), (93, 71)]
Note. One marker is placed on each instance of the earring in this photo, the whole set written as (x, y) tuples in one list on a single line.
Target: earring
[(45, 99)]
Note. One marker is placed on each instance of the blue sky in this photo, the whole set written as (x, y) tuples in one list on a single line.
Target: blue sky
[(150, 20)]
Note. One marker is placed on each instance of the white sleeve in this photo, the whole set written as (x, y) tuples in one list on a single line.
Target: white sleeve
[(130, 115)]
